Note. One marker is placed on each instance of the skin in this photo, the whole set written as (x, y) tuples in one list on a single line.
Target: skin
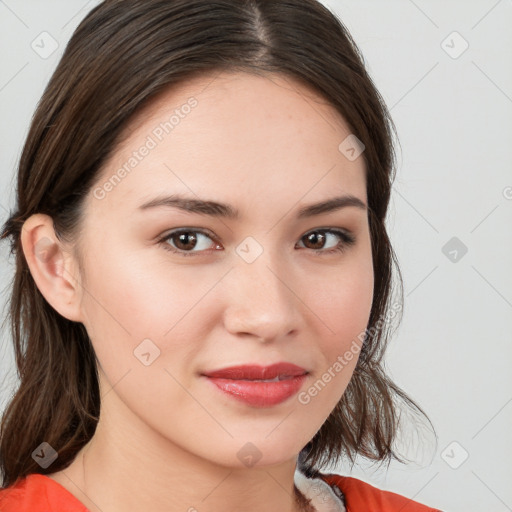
[(167, 439)]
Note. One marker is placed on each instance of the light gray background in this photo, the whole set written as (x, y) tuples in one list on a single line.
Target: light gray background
[(453, 350)]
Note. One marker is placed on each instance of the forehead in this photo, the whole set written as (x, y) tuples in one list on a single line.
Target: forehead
[(234, 135)]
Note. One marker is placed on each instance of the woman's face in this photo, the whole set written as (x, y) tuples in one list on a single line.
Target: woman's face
[(263, 287)]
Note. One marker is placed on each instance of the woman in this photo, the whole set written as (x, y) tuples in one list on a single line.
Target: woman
[(203, 278)]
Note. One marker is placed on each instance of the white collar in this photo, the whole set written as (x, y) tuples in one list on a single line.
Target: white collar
[(321, 494)]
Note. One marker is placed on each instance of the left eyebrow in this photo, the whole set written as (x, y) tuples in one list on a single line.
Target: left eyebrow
[(216, 209), (331, 205)]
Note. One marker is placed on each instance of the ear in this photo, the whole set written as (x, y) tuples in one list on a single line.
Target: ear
[(54, 269)]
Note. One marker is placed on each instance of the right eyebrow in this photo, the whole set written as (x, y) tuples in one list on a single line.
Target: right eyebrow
[(189, 204)]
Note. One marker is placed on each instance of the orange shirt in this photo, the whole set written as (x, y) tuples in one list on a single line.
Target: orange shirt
[(39, 493), (363, 497)]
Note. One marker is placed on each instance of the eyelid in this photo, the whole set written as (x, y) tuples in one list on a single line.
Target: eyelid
[(347, 239), (175, 232)]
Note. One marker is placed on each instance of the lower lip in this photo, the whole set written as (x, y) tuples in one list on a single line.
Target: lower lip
[(260, 394)]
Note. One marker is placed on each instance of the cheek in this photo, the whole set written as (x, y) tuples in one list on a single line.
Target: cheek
[(344, 301), (130, 300), (127, 293), (138, 324), (345, 309)]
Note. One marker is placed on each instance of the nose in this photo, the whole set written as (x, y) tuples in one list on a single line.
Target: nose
[(261, 300)]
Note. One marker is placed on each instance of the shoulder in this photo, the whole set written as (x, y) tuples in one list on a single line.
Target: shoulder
[(38, 493), (360, 495), (26, 494)]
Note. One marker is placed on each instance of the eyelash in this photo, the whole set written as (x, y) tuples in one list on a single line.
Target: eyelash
[(347, 240)]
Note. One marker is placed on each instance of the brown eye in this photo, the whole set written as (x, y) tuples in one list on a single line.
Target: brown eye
[(192, 242), (316, 240), (185, 241)]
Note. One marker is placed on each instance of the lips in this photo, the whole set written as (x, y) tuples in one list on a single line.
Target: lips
[(275, 372), (259, 386)]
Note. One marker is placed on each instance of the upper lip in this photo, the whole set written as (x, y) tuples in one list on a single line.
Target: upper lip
[(255, 372)]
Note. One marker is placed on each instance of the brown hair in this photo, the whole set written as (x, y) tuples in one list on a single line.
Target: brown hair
[(122, 55)]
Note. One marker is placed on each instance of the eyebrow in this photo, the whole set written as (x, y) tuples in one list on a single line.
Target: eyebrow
[(216, 209)]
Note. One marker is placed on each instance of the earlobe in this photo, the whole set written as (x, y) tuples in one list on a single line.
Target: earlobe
[(52, 267)]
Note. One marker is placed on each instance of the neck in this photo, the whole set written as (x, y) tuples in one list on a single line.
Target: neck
[(145, 471)]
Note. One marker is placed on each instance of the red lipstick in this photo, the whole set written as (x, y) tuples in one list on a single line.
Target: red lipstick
[(250, 383)]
